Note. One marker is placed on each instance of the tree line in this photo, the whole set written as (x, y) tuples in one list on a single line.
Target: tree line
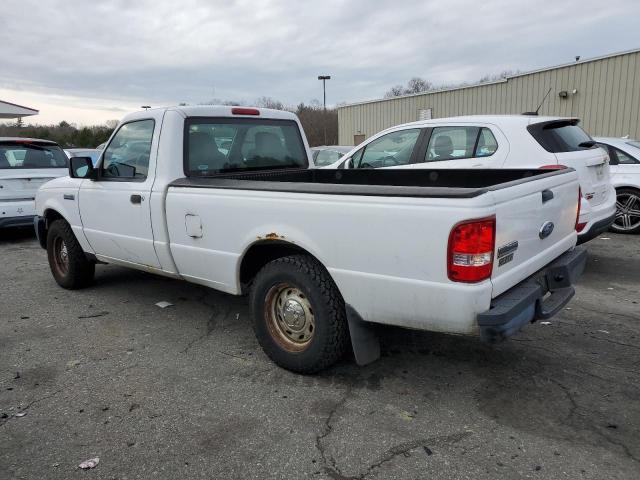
[(64, 134), (420, 85)]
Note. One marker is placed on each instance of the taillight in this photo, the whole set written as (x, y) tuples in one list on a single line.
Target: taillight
[(245, 111), (470, 252), (553, 167), (579, 226)]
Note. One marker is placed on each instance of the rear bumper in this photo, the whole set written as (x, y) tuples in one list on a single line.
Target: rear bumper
[(16, 213), (598, 218), (526, 302), (23, 221), (596, 229)]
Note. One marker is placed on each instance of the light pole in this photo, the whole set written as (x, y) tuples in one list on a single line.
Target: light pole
[(324, 78)]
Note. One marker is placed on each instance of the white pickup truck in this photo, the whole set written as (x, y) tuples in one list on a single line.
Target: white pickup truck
[(223, 197)]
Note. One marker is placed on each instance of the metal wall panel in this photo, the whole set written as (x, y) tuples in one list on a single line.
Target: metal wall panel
[(607, 99)]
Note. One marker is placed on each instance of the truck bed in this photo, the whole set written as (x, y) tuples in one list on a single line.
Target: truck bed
[(445, 183)]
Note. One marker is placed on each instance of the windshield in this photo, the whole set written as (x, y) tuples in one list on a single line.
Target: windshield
[(31, 155), (226, 145)]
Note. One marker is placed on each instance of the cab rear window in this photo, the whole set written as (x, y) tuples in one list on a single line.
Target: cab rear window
[(561, 136), (14, 155), (217, 145)]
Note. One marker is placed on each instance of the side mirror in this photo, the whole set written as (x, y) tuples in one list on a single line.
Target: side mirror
[(82, 167), (348, 163)]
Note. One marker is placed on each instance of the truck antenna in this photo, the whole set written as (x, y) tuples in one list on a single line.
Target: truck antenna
[(539, 106)]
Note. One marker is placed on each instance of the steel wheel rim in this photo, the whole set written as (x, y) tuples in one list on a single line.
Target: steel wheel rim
[(290, 318), (60, 256), (627, 212)]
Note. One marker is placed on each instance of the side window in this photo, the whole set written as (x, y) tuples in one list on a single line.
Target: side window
[(487, 144), (451, 143), (127, 156), (387, 151), (623, 158), (326, 157)]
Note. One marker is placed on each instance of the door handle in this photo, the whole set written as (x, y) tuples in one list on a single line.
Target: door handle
[(136, 199), (546, 196)]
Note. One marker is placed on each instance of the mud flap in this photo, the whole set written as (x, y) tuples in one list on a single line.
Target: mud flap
[(364, 338)]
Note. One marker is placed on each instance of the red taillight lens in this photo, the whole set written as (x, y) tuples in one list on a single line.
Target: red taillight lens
[(553, 167), (470, 253), (245, 111), (579, 226)]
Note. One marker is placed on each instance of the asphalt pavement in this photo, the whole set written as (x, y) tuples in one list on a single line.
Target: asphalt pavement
[(185, 391)]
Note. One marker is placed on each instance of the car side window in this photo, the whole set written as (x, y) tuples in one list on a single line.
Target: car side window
[(392, 149), (623, 158), (453, 143), (127, 155), (323, 158), (486, 145)]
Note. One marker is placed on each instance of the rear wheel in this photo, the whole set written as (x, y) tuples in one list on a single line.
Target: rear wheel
[(627, 211), (298, 314), (68, 263)]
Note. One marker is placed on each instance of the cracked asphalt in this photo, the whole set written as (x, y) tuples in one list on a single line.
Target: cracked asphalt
[(185, 392)]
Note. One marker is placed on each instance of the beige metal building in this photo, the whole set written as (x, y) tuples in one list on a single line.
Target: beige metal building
[(604, 92)]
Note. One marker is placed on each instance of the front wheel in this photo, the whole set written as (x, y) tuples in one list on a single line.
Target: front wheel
[(627, 211), (298, 314), (68, 263)]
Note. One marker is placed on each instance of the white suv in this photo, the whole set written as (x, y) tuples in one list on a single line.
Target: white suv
[(499, 141)]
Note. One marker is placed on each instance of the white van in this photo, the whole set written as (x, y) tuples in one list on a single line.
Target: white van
[(25, 165)]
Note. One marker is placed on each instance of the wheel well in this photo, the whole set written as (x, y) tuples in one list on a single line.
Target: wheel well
[(49, 217), (261, 253)]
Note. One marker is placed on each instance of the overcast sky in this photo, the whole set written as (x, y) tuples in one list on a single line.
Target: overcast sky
[(87, 62)]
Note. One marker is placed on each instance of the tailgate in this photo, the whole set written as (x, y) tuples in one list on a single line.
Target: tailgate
[(593, 171), (535, 223), (23, 184)]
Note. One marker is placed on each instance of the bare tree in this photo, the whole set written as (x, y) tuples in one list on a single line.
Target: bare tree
[(415, 85), (418, 85), (396, 91), (268, 102)]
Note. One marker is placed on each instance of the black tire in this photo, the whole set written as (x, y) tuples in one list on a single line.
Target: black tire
[(312, 284), (627, 211), (76, 272)]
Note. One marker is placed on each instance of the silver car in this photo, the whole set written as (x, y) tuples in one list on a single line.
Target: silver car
[(326, 155)]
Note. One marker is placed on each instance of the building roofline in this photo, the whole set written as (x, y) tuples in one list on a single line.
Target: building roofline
[(20, 106), (502, 80)]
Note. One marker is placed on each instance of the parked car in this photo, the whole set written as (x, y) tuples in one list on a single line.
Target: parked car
[(497, 142), (624, 164), (442, 250), (101, 146), (326, 155), (93, 153), (25, 165)]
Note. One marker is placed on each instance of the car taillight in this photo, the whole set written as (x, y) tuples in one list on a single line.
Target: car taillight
[(470, 252), (245, 111), (579, 226), (553, 167)]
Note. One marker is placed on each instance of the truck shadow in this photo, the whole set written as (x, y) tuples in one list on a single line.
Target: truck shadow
[(17, 235)]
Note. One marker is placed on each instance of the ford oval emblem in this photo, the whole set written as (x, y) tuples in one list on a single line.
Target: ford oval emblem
[(545, 230)]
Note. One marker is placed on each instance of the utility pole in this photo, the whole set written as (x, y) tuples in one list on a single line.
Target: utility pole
[(324, 78)]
